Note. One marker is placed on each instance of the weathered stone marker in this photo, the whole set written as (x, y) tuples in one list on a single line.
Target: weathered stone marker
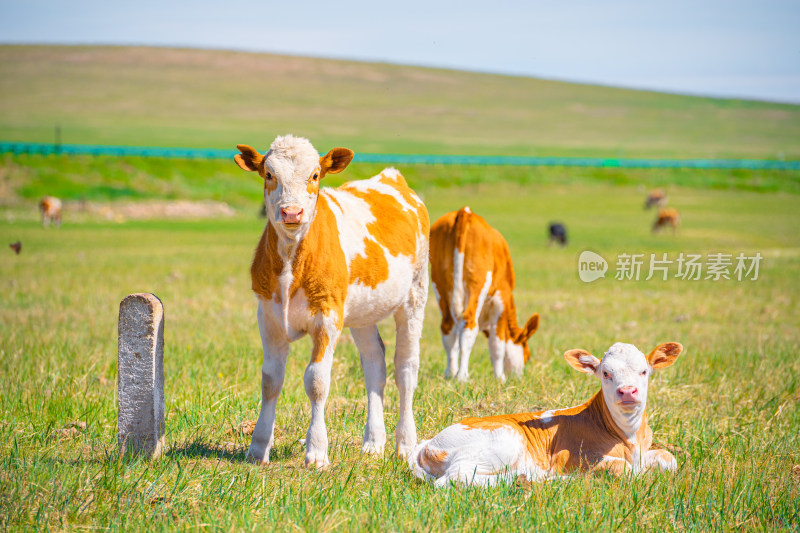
[(141, 374)]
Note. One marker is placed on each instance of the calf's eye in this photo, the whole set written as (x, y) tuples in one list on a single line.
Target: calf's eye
[(644, 372), (605, 374)]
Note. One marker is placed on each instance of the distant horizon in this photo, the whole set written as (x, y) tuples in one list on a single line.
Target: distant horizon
[(401, 64), (735, 49)]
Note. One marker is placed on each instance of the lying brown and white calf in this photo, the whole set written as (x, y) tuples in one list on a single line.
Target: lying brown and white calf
[(610, 431)]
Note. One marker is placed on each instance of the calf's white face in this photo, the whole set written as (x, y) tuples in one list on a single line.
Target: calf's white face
[(292, 170), (624, 373)]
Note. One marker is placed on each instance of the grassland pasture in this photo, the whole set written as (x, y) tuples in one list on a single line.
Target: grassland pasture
[(729, 408)]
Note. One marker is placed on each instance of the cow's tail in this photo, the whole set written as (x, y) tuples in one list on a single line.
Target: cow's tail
[(460, 228)]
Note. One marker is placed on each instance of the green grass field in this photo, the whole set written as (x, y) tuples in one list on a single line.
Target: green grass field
[(216, 99), (729, 407)]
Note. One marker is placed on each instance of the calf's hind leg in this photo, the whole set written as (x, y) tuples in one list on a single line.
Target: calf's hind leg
[(449, 335), (373, 362), (409, 318)]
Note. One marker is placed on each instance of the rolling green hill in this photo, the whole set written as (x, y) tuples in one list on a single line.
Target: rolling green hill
[(216, 99)]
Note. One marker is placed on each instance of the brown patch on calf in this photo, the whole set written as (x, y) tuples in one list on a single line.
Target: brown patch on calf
[(432, 461), (312, 187), (266, 266), (320, 267), (372, 269), (392, 224), (321, 340), (395, 229)]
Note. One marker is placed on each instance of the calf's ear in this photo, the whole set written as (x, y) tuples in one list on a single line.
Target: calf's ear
[(249, 159), (335, 161), (530, 327), (582, 361), (664, 354)]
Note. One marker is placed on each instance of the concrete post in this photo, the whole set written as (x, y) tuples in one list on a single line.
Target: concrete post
[(141, 374)]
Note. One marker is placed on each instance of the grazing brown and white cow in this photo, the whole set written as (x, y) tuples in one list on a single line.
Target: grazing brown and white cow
[(656, 198), (50, 207), (473, 279), (608, 432), (329, 259), (667, 216)]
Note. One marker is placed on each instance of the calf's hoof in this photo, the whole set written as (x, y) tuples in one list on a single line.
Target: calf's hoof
[(372, 448), (317, 460), (257, 457), (404, 450)]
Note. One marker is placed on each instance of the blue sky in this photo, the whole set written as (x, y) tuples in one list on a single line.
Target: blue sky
[(737, 48)]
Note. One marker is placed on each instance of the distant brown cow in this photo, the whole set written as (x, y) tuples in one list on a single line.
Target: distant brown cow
[(657, 198), (667, 216), (50, 207)]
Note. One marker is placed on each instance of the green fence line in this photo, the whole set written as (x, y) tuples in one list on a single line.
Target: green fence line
[(408, 159)]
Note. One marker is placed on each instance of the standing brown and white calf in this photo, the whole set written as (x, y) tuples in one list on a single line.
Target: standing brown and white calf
[(329, 259), (608, 432), (474, 280), (50, 207)]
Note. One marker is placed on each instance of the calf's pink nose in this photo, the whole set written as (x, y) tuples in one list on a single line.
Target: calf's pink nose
[(627, 394), (291, 214)]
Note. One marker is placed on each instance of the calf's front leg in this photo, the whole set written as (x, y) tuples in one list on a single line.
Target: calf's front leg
[(273, 369), (406, 368), (613, 465), (317, 380), (660, 459)]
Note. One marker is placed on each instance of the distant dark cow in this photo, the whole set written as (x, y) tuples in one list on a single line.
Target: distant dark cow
[(667, 216), (656, 198), (558, 233), (50, 207), (16, 246)]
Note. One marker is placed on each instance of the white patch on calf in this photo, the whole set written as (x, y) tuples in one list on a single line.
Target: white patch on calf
[(480, 457), (547, 416), (482, 295), (366, 305), (459, 291), (352, 216), (515, 357), (374, 184)]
